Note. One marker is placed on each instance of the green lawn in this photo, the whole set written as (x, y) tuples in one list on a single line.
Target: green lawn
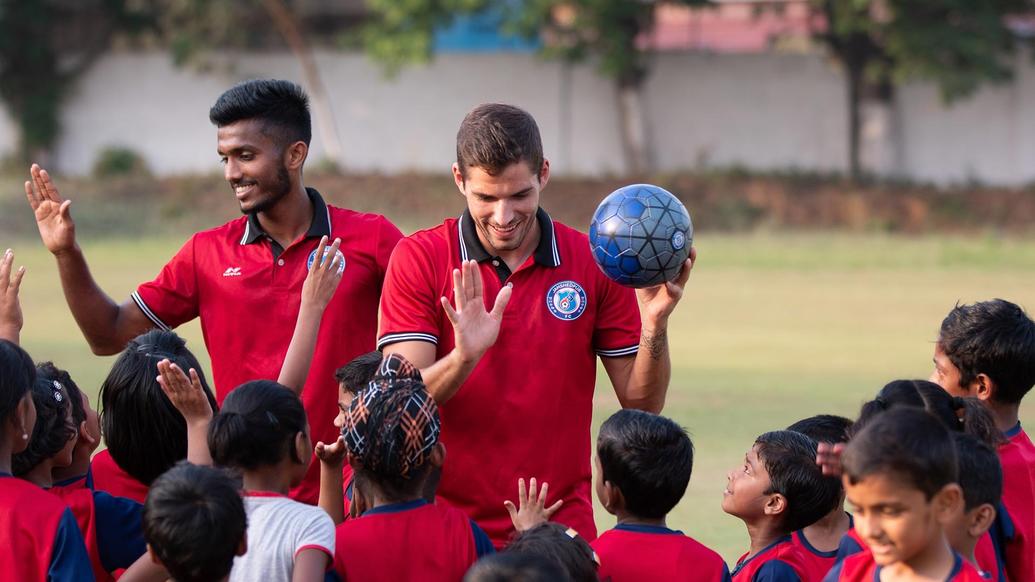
[(773, 328)]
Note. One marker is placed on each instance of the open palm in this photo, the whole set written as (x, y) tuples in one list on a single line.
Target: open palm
[(53, 217), (474, 328)]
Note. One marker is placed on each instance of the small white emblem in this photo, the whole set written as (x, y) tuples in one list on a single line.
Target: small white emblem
[(232, 272)]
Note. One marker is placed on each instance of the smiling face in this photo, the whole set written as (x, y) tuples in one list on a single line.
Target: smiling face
[(895, 519), (254, 165), (504, 206)]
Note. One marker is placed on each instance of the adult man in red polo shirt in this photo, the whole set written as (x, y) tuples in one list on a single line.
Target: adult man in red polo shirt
[(244, 279), (515, 383)]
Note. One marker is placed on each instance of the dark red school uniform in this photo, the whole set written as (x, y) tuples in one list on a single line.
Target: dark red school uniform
[(851, 544), (862, 568), (780, 561), (989, 559), (414, 540), (110, 478), (817, 562), (636, 553), (1017, 456), (112, 528), (39, 539)]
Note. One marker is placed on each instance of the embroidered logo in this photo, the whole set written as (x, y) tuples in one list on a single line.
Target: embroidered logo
[(232, 272), (340, 256), (566, 300)]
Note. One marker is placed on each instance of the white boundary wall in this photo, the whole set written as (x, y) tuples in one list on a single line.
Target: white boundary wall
[(767, 111)]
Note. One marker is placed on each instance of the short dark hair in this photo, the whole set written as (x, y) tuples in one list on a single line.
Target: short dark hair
[(356, 374), (648, 457), (907, 443), (184, 503), (790, 459), (516, 567), (75, 396), (144, 432), (52, 430), (17, 375), (494, 135), (257, 426), (561, 546), (824, 428), (282, 106), (957, 414), (995, 338), (980, 473)]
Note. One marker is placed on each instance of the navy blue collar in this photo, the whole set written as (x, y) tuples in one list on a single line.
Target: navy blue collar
[(1016, 430), (782, 540), (800, 534), (545, 253), (957, 565), (396, 507), (319, 226), (651, 529)]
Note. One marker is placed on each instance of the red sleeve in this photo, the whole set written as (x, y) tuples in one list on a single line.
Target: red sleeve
[(388, 235), (410, 297), (172, 298), (617, 330)]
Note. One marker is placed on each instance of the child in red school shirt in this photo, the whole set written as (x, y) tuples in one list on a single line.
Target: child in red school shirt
[(777, 490), (819, 541), (987, 350), (981, 478), (900, 476), (391, 434), (76, 475), (644, 465), (110, 526)]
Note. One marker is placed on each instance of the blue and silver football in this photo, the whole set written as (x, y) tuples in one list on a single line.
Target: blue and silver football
[(641, 235)]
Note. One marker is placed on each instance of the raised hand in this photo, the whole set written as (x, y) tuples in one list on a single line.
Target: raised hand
[(11, 320), (658, 302), (332, 454), (474, 329), (531, 510), (186, 395), (828, 457), (324, 275), (52, 213)]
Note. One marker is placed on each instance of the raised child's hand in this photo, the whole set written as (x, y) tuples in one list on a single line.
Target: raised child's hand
[(324, 275), (532, 509), (828, 457), (332, 454), (185, 394), (10, 308)]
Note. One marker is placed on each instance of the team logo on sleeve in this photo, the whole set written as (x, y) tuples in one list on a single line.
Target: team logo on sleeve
[(312, 259), (566, 300)]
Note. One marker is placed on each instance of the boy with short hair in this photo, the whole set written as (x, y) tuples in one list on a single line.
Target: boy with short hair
[(184, 503), (779, 489), (900, 475), (392, 436), (981, 478), (644, 466), (819, 541), (987, 350)]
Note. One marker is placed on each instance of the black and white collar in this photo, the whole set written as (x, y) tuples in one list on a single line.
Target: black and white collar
[(545, 254)]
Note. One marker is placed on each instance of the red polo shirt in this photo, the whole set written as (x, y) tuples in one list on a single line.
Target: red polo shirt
[(247, 291), (527, 407), (1017, 456)]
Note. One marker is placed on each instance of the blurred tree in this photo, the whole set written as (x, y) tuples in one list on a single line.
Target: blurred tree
[(956, 44), (44, 46), (611, 31)]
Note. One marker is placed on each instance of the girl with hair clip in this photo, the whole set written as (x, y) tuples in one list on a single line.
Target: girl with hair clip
[(110, 526), (39, 539)]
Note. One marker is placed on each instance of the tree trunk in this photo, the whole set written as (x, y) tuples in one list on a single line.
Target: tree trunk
[(854, 79), (632, 123), (323, 113)]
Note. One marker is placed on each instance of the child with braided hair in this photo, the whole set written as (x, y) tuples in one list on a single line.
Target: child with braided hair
[(392, 433)]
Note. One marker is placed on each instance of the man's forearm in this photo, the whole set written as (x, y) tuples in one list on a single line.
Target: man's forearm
[(444, 378), (96, 314), (651, 371)]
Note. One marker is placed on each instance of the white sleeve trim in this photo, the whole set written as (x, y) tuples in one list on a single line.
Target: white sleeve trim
[(618, 352), (394, 338), (147, 311)]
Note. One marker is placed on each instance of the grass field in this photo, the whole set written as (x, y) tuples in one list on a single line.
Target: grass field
[(773, 328)]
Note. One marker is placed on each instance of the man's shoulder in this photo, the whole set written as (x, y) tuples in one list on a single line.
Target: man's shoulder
[(354, 218), (433, 240)]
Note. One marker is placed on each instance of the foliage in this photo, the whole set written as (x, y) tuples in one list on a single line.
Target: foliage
[(115, 161)]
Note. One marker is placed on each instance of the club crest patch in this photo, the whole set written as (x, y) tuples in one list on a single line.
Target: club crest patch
[(312, 259), (566, 300)]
